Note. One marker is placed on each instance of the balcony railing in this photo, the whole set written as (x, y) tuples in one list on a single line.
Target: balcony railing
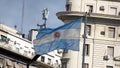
[(112, 0), (75, 14)]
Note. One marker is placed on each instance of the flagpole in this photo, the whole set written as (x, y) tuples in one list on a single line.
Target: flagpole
[(84, 43), (34, 59), (22, 16)]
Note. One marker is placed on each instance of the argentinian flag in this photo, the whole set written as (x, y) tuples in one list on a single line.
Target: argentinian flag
[(65, 37)]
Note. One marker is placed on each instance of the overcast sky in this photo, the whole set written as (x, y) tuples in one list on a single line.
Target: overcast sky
[(11, 13)]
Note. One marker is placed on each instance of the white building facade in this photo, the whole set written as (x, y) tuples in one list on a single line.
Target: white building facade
[(16, 51), (12, 40), (103, 33), (14, 48)]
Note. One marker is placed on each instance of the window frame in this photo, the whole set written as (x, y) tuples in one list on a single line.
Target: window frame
[(68, 6), (108, 49), (42, 58), (86, 65), (88, 30), (109, 66), (115, 8), (49, 61), (1, 62), (111, 32), (90, 8), (87, 49)]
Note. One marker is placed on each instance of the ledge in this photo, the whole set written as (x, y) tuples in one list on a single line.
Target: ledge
[(20, 58), (75, 14)]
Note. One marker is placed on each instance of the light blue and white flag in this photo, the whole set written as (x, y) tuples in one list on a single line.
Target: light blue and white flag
[(65, 37), (42, 32)]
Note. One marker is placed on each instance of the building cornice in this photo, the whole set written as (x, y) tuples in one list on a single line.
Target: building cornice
[(75, 14), (20, 58), (111, 0)]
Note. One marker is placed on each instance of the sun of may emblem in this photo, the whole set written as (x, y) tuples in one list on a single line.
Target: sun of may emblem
[(57, 34)]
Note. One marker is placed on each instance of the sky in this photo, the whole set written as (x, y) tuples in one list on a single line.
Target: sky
[(11, 13)]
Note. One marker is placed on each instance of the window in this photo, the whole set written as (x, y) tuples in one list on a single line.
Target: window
[(57, 65), (49, 61), (113, 10), (29, 51), (4, 38), (64, 64), (111, 32), (109, 66), (56, 61), (59, 51), (68, 6), (90, 8), (102, 8), (88, 29), (1, 63), (110, 51), (86, 65), (17, 49), (25, 53), (65, 51), (33, 54), (87, 49), (21, 48), (42, 58), (102, 32), (118, 35), (14, 42), (119, 13)]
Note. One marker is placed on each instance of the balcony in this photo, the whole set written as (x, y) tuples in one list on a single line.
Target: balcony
[(63, 15), (112, 0)]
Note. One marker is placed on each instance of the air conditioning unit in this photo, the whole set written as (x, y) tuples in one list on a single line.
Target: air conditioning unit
[(116, 58), (102, 32), (106, 57), (119, 13), (102, 8)]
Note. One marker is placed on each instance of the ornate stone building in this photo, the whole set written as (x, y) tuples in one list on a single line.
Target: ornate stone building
[(103, 33)]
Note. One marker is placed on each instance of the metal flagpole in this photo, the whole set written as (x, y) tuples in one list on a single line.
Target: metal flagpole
[(84, 43), (34, 59)]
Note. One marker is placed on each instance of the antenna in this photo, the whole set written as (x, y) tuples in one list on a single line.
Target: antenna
[(22, 17), (15, 26)]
